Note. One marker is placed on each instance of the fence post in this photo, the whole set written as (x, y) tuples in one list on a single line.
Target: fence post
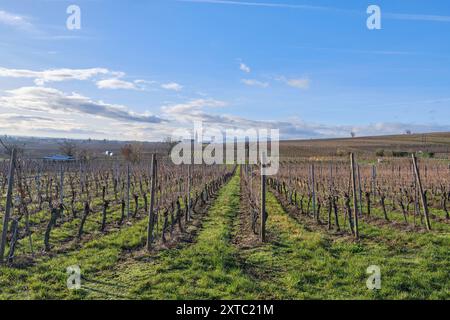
[(81, 179), (313, 183), (355, 197), (128, 190), (151, 214), (38, 182), (61, 192), (188, 214), (12, 167), (263, 198), (422, 195), (331, 177), (374, 182), (360, 192)]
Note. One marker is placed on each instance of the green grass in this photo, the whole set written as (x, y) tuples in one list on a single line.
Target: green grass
[(301, 264), (206, 269), (297, 262), (46, 278)]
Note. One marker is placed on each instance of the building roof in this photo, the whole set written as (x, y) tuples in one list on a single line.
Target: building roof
[(59, 157)]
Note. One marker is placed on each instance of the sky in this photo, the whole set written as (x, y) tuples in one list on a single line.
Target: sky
[(140, 70)]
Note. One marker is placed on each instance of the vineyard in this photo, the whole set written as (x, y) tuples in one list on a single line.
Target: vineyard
[(150, 229)]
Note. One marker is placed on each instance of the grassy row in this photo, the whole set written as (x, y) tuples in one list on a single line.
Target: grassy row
[(46, 279), (206, 269), (299, 263), (67, 229), (110, 271)]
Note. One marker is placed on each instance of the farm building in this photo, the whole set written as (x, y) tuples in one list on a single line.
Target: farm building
[(59, 158)]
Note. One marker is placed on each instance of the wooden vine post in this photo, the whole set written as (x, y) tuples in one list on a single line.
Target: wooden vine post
[(422, 195), (191, 167), (360, 191), (355, 197), (188, 214), (3, 239), (151, 214), (128, 190), (313, 190), (61, 191), (374, 182), (263, 198)]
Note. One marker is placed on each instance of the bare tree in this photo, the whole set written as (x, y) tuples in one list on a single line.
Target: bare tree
[(170, 144), (353, 134), (9, 146), (85, 154), (132, 152), (68, 148)]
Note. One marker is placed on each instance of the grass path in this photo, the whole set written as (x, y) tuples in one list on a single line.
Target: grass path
[(299, 263), (46, 278), (205, 269)]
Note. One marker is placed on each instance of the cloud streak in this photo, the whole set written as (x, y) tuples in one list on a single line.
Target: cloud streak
[(172, 86), (14, 20), (255, 83), (113, 81), (56, 75), (44, 111), (389, 15), (417, 17), (260, 4), (298, 83), (117, 84), (244, 68), (41, 99), (185, 114)]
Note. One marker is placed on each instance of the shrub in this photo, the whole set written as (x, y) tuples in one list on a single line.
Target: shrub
[(427, 155), (342, 152), (380, 153), (400, 154)]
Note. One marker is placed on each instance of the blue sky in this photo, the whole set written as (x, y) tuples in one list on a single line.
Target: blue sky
[(141, 69)]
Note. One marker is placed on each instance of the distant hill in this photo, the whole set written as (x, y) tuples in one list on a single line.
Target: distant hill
[(35, 147), (437, 143)]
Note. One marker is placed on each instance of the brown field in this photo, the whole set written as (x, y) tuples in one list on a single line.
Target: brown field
[(438, 143)]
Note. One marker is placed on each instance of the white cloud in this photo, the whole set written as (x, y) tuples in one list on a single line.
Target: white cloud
[(140, 81), (302, 84), (116, 84), (255, 83), (41, 78), (261, 4), (41, 125), (298, 83), (389, 15), (44, 111), (193, 106), (57, 75), (244, 68), (15, 20), (172, 86), (417, 17), (49, 100)]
